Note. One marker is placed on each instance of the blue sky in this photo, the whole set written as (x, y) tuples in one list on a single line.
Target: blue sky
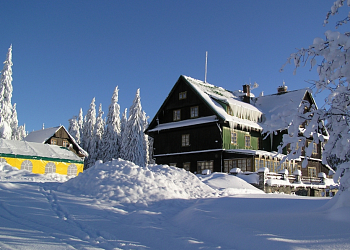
[(67, 52)]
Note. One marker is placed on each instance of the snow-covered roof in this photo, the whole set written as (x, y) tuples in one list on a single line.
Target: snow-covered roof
[(244, 114), (185, 123), (278, 105), (40, 150), (41, 136)]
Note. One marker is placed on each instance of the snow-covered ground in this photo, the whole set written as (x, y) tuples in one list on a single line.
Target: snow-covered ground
[(118, 205)]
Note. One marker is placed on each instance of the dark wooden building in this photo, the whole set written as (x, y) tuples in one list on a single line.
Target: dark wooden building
[(56, 136), (201, 126)]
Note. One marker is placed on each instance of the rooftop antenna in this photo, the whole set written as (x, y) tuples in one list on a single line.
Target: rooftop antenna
[(206, 66)]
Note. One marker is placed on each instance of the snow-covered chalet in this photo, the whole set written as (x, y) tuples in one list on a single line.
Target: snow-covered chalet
[(201, 126)]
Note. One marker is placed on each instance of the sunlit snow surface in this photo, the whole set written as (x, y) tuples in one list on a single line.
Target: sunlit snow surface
[(118, 205)]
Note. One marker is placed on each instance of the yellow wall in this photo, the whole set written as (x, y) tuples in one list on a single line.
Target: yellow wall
[(39, 165)]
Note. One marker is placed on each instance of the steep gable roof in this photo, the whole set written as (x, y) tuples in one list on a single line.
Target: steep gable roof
[(252, 115), (41, 136)]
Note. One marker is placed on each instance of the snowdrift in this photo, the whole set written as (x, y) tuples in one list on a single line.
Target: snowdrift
[(125, 182)]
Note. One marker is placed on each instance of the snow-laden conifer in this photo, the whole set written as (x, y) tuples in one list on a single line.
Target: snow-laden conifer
[(111, 137), (5, 97), (73, 129), (80, 121), (14, 123), (95, 148), (134, 138), (21, 131), (89, 126)]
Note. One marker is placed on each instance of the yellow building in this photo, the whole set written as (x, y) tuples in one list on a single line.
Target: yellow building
[(40, 158)]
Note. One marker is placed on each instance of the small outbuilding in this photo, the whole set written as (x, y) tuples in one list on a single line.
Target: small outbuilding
[(40, 158)]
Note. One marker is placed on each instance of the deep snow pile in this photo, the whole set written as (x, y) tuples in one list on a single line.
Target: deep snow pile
[(125, 182)]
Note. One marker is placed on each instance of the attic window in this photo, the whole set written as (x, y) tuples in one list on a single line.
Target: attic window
[(53, 142), (65, 143), (182, 95), (177, 115), (194, 112)]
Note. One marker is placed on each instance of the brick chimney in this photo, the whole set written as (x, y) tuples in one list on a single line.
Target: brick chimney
[(246, 90)]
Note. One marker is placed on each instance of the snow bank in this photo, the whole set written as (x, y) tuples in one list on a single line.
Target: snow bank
[(125, 182), (229, 184)]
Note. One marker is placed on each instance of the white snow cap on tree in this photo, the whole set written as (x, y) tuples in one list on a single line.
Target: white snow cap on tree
[(5, 97), (89, 126), (73, 129), (134, 137), (112, 135), (95, 149)]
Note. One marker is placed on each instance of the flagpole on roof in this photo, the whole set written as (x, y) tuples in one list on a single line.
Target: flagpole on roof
[(206, 66)]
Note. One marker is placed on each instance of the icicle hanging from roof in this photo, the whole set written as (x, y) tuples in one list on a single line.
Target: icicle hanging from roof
[(245, 113)]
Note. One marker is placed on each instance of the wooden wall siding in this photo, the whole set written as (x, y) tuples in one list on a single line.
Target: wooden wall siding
[(192, 159), (254, 139), (62, 135), (202, 137), (173, 103)]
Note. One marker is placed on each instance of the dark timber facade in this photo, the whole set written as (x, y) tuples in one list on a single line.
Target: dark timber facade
[(200, 126)]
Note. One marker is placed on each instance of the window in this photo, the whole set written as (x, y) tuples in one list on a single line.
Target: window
[(242, 164), (50, 167), (247, 141), (194, 112), (311, 172), (233, 137), (177, 115), (53, 141), (27, 165), (182, 95), (202, 165), (185, 140), (187, 166), (65, 143), (72, 169), (229, 164)]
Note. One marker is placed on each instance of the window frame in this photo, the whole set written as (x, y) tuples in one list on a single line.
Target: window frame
[(194, 114), (53, 141), (185, 140), (182, 95), (233, 136), (245, 141), (177, 115)]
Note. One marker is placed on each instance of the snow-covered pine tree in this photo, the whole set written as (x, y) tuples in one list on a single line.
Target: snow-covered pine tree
[(134, 137), (5, 97), (80, 121), (112, 137), (22, 133), (123, 121), (95, 152), (73, 129), (14, 123), (89, 126)]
